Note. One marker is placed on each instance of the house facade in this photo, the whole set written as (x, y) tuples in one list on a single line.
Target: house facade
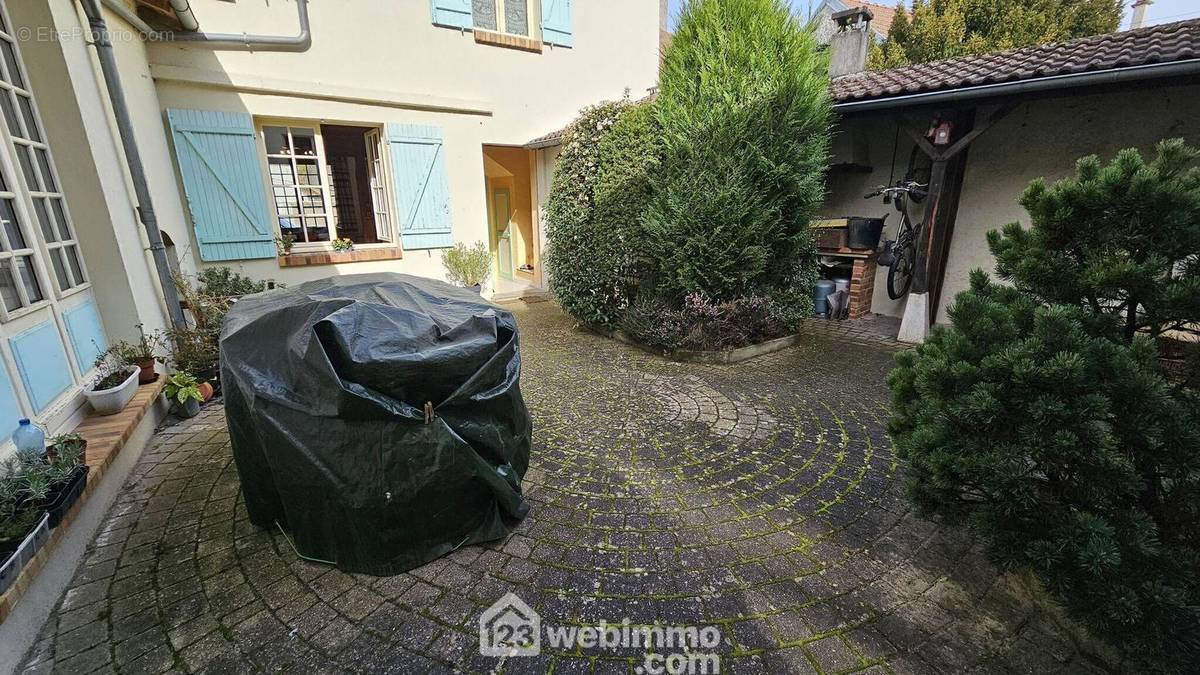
[(401, 127)]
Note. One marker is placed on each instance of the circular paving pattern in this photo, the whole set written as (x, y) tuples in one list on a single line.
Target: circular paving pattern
[(761, 499)]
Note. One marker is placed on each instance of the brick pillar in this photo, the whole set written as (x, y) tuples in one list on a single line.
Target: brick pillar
[(862, 287)]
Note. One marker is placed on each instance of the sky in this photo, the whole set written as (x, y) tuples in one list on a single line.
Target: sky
[(1162, 11)]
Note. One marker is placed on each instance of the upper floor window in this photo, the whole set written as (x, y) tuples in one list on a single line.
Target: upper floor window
[(504, 16)]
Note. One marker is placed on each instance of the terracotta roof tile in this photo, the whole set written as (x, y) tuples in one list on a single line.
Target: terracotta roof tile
[(1157, 44)]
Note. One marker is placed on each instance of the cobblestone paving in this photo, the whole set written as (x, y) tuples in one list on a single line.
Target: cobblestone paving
[(760, 498)]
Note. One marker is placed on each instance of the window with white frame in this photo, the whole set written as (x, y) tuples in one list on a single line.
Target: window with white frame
[(327, 182), (377, 177), (294, 163), (37, 168), (514, 17)]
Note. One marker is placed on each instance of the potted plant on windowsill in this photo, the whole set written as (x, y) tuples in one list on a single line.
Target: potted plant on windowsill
[(468, 266), (115, 384), (183, 392), (284, 244), (343, 245), (23, 528)]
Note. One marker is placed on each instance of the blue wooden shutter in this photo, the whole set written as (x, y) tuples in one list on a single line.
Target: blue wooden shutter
[(422, 186), (452, 13), (556, 23), (218, 158)]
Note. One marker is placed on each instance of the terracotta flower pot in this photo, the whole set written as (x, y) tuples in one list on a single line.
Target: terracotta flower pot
[(206, 390), (147, 373)]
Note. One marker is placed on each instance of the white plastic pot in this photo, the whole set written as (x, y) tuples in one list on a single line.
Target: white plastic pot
[(113, 401)]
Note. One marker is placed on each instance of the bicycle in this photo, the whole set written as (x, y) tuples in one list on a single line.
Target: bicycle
[(903, 252)]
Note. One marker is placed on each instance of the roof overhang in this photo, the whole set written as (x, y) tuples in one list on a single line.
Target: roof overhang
[(1128, 75)]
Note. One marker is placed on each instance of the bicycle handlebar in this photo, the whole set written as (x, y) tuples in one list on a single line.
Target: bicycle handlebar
[(915, 190)]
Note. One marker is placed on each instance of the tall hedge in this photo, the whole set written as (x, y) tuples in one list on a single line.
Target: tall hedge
[(595, 250), (745, 116)]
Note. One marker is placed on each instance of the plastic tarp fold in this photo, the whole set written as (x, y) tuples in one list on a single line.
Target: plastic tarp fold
[(377, 418)]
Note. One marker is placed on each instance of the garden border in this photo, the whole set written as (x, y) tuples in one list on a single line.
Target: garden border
[(720, 356)]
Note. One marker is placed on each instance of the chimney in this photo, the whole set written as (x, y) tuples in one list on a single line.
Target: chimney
[(1139, 13), (848, 46)]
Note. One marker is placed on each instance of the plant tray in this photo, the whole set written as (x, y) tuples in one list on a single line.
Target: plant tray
[(16, 560), (58, 507)]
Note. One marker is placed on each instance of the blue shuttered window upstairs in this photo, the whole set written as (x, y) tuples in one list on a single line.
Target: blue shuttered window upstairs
[(422, 186), (556, 18), (222, 177)]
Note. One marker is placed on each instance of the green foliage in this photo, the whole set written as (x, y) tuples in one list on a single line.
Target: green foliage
[(942, 29), (1039, 418), (745, 117), (1121, 239), (182, 387), (222, 282), (704, 325), (467, 265), (148, 346), (596, 249)]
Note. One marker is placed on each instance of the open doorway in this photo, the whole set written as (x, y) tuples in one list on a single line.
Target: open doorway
[(356, 186), (512, 234)]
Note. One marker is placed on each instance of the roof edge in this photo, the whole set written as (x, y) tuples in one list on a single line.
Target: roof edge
[(1050, 83)]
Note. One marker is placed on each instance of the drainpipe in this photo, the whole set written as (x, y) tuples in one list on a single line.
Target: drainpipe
[(137, 172), (219, 41)]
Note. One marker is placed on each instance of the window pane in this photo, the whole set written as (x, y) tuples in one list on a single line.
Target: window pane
[(25, 269), (312, 201), (60, 217), (74, 264), (277, 141), (318, 229), (484, 12), (43, 160), (516, 17), (291, 226), (23, 152), (31, 129), (60, 270), (11, 228), (39, 206), (307, 172), (10, 113), (10, 62), (286, 201), (281, 171), (304, 142), (8, 287)]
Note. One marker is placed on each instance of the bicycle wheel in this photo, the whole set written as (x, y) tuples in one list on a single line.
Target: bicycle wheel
[(900, 273)]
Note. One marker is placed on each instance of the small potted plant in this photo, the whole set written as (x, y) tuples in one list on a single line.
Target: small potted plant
[(114, 385), (343, 245), (23, 529), (71, 444), (183, 392), (284, 244), (143, 354), (468, 266)]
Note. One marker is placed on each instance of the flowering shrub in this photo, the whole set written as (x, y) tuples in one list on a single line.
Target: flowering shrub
[(595, 250)]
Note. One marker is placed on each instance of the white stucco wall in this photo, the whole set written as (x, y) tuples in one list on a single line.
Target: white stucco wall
[(372, 63), (1038, 139)]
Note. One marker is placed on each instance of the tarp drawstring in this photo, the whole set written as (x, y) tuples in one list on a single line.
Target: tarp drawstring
[(428, 412)]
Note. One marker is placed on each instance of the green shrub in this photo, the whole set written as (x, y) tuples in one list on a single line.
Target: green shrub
[(595, 247), (745, 116), (1042, 420), (701, 324), (467, 265)]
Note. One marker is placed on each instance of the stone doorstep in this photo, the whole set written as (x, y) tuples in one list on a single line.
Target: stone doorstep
[(106, 435)]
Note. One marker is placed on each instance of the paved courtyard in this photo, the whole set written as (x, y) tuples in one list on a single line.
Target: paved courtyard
[(762, 499)]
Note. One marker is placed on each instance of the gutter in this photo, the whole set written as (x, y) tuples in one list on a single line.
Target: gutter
[(1111, 76), (133, 158), (300, 42)]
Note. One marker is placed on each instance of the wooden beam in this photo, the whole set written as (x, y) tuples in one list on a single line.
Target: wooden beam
[(962, 143), (917, 135)]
